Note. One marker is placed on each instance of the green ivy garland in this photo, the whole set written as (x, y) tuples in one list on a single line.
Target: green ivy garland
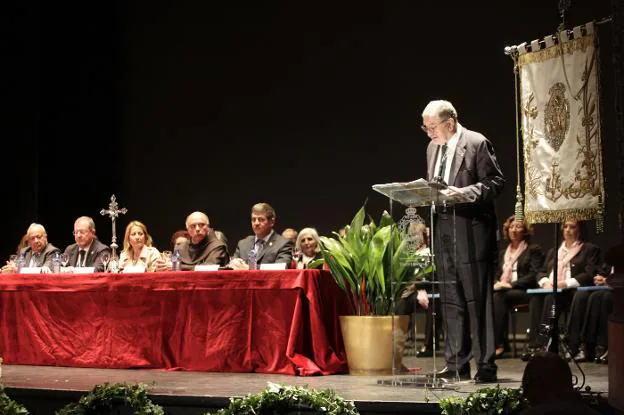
[(9, 407), (485, 401), (280, 399), (106, 398)]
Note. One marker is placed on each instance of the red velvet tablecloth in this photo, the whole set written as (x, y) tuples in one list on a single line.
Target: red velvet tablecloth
[(231, 321)]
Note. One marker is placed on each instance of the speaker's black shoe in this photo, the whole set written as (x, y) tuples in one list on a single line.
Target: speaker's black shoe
[(448, 374), (485, 376), (424, 352)]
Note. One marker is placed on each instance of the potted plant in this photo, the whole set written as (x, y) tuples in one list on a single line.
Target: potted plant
[(373, 263)]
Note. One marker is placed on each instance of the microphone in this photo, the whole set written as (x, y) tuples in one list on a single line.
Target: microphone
[(438, 183)]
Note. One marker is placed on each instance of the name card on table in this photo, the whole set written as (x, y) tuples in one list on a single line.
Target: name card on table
[(84, 270), (206, 267), (30, 270), (134, 269), (273, 267)]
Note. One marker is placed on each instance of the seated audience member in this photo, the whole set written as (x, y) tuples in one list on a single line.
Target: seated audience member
[(588, 321), (38, 253), (137, 248), (547, 385), (269, 246), (291, 234), (88, 250), (415, 296), (203, 247), (518, 266), (309, 244), (578, 262), (178, 238)]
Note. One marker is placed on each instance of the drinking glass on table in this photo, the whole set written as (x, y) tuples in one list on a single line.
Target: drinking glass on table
[(64, 257), (296, 254), (105, 258), (164, 263)]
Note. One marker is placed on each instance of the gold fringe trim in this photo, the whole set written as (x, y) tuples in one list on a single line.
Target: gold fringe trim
[(543, 55), (559, 216)]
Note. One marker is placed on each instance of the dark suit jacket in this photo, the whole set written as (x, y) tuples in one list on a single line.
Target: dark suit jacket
[(475, 171), (45, 258), (276, 249), (583, 267), (529, 264), (94, 256)]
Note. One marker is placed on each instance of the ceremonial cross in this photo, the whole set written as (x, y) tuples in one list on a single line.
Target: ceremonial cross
[(113, 212)]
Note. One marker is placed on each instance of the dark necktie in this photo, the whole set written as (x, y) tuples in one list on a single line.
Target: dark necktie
[(81, 258), (442, 167), (259, 246)]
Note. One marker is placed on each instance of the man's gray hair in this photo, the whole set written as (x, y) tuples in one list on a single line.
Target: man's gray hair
[(34, 226), (89, 220), (440, 108)]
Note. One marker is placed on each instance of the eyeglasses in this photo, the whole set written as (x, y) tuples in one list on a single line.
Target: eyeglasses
[(80, 232), (432, 127)]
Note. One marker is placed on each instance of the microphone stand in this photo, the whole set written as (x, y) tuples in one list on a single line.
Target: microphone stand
[(554, 317)]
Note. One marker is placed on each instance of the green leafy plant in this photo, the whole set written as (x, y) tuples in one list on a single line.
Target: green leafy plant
[(108, 398), (280, 399), (495, 400), (373, 263), (9, 407)]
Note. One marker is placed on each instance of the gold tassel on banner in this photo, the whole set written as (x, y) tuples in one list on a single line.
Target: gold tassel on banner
[(518, 208)]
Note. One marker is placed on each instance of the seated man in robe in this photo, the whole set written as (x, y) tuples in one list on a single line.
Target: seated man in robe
[(203, 247)]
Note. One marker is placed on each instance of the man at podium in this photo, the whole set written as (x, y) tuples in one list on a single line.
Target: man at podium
[(465, 240)]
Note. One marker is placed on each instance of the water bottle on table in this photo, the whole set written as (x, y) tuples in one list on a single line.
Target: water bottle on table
[(20, 262), (175, 260), (56, 263), (252, 261)]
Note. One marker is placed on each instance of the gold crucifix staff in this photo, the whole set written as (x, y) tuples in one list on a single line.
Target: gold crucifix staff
[(113, 212)]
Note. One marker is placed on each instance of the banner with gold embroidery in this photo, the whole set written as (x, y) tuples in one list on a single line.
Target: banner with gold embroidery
[(559, 98)]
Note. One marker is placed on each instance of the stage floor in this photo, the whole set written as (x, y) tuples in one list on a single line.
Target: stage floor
[(211, 390)]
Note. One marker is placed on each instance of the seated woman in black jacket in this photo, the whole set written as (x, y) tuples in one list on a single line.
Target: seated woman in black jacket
[(577, 263), (518, 266)]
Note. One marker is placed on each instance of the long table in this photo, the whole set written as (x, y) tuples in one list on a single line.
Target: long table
[(229, 321)]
